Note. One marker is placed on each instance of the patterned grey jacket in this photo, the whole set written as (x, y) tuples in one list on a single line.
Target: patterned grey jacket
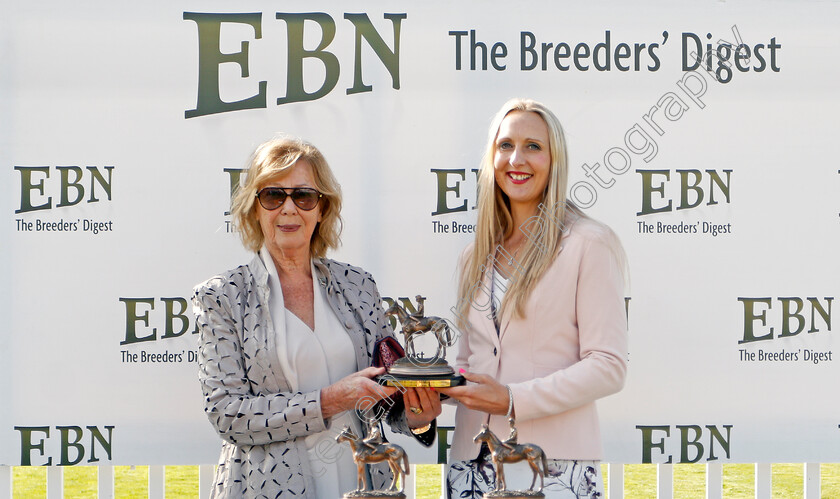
[(248, 400)]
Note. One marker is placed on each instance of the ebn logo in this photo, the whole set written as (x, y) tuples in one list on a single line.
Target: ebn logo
[(175, 312), (71, 182), (35, 438), (691, 445), (793, 317), (691, 194), (210, 57)]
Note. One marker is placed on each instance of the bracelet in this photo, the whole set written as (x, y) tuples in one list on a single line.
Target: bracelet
[(510, 404), (421, 430)]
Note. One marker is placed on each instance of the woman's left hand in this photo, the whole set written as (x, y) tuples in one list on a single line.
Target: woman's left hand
[(426, 403), (483, 394)]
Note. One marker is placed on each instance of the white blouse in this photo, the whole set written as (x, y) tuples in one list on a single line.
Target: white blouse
[(497, 292), (314, 360)]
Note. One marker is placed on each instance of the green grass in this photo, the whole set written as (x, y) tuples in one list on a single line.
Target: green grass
[(639, 481), (81, 480), (29, 481), (428, 481), (739, 480)]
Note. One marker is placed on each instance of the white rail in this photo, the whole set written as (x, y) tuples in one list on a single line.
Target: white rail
[(615, 485)]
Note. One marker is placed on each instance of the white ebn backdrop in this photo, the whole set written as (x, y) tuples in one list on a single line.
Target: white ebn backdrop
[(124, 130)]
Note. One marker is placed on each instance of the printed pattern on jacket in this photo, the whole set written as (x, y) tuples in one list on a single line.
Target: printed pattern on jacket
[(248, 400)]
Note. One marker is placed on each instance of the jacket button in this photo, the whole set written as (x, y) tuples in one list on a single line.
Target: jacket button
[(348, 324), (494, 351)]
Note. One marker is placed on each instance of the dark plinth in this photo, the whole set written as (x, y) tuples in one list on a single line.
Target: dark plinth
[(419, 372)]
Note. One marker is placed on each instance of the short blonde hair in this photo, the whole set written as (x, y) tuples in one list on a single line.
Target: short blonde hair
[(274, 160)]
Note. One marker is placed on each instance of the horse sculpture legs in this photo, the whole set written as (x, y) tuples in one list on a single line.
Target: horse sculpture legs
[(500, 474), (394, 454), (362, 481), (533, 462), (534, 457), (502, 453), (398, 461)]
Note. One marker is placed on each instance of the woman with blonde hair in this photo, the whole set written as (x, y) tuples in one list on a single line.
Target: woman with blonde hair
[(286, 342), (541, 308)]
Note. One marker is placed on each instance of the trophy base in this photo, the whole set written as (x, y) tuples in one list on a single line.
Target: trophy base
[(373, 494), (425, 382), (514, 494), (419, 372)]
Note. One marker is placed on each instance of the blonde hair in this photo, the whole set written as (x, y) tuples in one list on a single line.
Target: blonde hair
[(495, 222), (274, 160)]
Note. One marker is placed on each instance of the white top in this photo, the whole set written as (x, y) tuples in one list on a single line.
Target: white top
[(314, 360), (498, 290)]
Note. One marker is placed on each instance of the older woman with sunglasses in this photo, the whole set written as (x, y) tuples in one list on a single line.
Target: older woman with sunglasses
[(286, 341)]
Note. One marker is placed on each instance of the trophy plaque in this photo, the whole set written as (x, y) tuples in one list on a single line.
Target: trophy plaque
[(373, 449), (509, 451), (414, 370)]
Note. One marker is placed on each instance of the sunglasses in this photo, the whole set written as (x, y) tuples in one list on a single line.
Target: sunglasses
[(304, 198)]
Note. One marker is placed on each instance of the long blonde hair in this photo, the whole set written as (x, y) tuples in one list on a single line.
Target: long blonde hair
[(495, 222)]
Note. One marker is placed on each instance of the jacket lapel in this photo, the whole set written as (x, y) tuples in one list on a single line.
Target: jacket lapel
[(344, 310), (508, 314), (483, 311), (274, 331)]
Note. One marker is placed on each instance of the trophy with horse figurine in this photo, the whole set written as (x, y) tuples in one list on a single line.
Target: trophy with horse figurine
[(416, 369), (373, 449), (510, 451)]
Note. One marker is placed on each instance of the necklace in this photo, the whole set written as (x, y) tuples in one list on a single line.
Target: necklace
[(515, 248)]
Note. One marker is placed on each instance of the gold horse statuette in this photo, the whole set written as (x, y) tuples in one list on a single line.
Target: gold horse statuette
[(372, 450), (510, 451), (416, 324), (413, 370)]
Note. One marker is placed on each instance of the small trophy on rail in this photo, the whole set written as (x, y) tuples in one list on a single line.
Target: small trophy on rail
[(415, 370), (509, 451), (372, 449)]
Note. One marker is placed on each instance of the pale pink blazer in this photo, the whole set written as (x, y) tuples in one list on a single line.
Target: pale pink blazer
[(569, 350)]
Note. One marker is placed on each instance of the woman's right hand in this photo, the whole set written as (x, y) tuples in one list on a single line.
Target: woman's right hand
[(482, 393), (356, 391)]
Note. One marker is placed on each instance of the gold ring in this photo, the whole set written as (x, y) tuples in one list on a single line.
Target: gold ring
[(416, 410)]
